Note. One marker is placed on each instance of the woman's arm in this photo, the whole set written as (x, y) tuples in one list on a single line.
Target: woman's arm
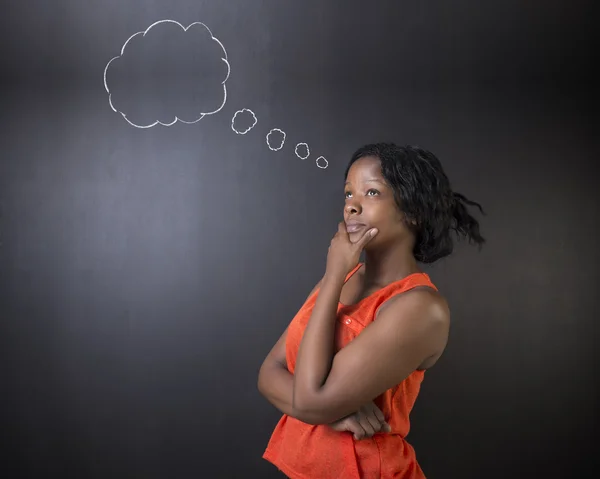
[(315, 355), (412, 327), (275, 382)]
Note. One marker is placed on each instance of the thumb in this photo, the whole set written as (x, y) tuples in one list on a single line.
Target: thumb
[(368, 236)]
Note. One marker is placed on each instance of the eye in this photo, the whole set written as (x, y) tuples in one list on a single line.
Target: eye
[(347, 194), (375, 192)]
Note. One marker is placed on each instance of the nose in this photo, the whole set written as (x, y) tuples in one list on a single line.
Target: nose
[(352, 207)]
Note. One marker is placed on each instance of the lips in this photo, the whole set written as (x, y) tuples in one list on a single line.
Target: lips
[(353, 226)]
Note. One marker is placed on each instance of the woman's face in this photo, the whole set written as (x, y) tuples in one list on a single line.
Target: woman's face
[(370, 203)]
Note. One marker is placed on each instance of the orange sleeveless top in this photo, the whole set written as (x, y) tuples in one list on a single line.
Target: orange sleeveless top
[(306, 451)]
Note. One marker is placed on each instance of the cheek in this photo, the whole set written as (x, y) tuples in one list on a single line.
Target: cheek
[(388, 219), (394, 225)]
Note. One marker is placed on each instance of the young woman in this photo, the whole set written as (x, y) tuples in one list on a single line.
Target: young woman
[(347, 370)]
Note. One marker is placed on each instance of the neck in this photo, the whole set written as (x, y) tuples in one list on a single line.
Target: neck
[(385, 266)]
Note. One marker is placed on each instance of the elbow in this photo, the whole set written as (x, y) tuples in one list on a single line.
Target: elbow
[(260, 382), (313, 416), (300, 412), (311, 411), (308, 417)]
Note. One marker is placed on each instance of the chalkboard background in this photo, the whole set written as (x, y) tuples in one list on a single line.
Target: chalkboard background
[(146, 272)]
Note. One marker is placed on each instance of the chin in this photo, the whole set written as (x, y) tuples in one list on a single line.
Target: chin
[(354, 237)]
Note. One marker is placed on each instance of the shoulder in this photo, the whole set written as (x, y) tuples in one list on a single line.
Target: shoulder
[(421, 311), (422, 299)]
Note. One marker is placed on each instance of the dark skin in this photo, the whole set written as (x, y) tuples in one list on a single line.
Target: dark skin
[(410, 331), (275, 382)]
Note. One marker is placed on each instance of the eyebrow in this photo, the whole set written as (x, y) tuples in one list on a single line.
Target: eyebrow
[(371, 180)]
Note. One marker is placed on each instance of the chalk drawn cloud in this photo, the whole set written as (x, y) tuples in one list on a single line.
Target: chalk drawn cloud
[(275, 139), (168, 73), (302, 151), (322, 162), (243, 121)]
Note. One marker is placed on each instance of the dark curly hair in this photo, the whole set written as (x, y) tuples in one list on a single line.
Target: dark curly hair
[(423, 193)]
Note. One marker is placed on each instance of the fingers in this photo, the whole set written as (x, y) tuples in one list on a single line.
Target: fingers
[(370, 425), (358, 430), (365, 423), (376, 417), (377, 412), (351, 424), (368, 236), (373, 419)]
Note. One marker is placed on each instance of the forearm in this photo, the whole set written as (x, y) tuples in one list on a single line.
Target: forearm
[(316, 351), (276, 384)]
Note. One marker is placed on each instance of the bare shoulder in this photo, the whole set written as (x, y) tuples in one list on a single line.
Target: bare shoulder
[(433, 302), (422, 311), (423, 300)]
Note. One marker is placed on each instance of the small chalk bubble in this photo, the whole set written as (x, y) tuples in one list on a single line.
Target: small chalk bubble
[(242, 117), (275, 139), (322, 162), (302, 151)]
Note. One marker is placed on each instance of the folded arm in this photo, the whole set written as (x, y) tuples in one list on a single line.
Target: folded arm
[(276, 383), (409, 328)]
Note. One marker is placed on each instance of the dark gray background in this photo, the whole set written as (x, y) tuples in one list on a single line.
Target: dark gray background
[(145, 273)]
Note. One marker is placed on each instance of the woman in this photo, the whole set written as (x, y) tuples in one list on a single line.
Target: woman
[(348, 369)]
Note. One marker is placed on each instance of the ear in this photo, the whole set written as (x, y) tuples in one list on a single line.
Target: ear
[(409, 220)]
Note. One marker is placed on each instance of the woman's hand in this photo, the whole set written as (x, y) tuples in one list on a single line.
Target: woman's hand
[(344, 254), (364, 423)]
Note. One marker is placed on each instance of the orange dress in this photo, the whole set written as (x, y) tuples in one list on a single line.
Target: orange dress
[(306, 451)]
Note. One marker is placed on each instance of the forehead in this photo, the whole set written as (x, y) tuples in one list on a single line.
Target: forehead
[(365, 169)]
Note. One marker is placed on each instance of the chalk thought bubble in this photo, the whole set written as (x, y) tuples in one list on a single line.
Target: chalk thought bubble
[(322, 162), (276, 139), (302, 151), (168, 73), (243, 121)]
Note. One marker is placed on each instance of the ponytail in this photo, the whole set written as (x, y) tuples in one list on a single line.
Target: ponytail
[(465, 224)]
